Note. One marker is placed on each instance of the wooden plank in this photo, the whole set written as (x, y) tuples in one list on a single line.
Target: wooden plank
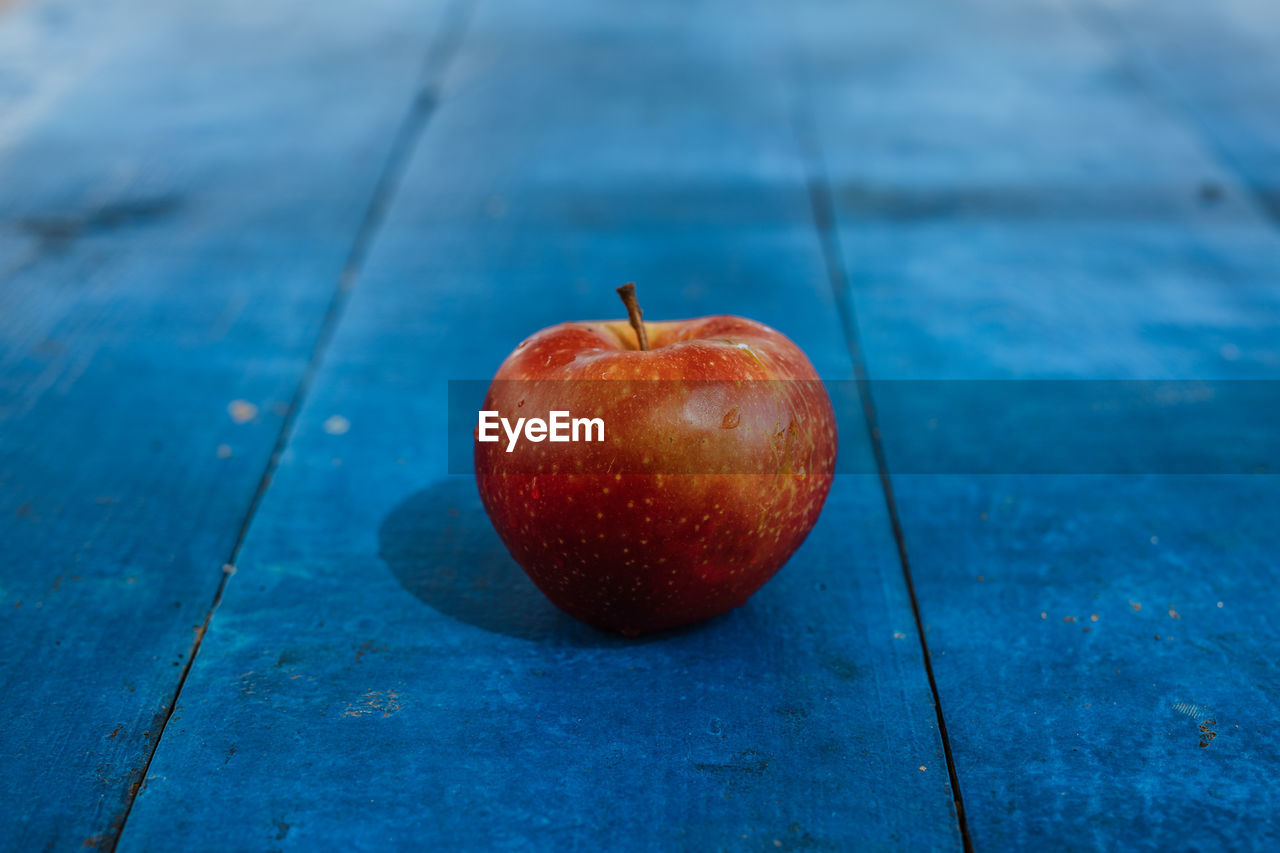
[(182, 188), (1018, 208), (1228, 91), (381, 674)]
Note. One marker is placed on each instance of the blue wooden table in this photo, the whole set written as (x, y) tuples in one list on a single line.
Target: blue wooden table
[(244, 247)]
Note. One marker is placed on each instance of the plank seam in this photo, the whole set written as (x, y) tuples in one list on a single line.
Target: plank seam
[(823, 209), (440, 53)]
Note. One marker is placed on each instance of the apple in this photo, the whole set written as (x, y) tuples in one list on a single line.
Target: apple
[(717, 454)]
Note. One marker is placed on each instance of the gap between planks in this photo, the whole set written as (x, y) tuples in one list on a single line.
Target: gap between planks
[(439, 55), (824, 216)]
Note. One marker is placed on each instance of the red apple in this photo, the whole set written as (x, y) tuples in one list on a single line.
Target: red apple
[(718, 451)]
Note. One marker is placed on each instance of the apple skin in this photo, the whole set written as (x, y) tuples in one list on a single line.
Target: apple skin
[(643, 532)]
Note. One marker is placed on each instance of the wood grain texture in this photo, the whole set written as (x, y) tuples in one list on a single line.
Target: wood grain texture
[(1228, 90), (1022, 206), (1067, 189), (381, 674), (182, 185)]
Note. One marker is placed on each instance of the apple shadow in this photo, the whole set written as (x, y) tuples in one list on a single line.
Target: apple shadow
[(440, 547)]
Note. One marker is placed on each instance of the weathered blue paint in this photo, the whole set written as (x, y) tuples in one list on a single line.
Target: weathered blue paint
[(1075, 190), (181, 186), (1025, 206), (380, 673), (1215, 64)]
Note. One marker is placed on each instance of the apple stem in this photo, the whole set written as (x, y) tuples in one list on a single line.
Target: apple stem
[(634, 314)]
